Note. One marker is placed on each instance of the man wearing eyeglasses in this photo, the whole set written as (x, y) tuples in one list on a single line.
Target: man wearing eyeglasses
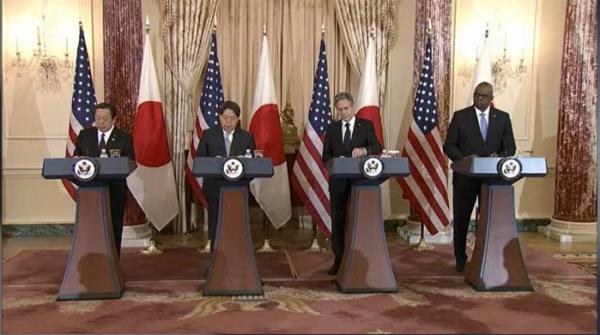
[(479, 130)]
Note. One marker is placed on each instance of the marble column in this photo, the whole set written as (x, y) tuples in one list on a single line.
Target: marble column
[(122, 22), (575, 212)]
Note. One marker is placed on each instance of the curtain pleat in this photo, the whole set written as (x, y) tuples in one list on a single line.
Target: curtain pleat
[(122, 65), (186, 29), (358, 19)]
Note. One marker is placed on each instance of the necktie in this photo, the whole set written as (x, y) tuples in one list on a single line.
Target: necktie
[(347, 137), (227, 144), (483, 126), (102, 144)]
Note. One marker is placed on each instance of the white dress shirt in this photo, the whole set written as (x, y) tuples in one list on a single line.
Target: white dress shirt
[(351, 122), (106, 134)]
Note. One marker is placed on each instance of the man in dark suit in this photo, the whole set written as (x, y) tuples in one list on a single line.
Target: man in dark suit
[(222, 141), (476, 131), (349, 137), (107, 138)]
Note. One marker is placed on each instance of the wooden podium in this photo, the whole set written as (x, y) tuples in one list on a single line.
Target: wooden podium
[(92, 270), (497, 262), (366, 265), (232, 269)]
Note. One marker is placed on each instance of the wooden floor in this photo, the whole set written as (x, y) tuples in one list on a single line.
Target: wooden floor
[(291, 237)]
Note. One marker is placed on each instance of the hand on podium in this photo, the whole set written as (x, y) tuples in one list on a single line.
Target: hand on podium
[(359, 152)]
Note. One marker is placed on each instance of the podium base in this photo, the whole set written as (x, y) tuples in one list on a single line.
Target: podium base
[(366, 265), (93, 270), (232, 270), (497, 262)]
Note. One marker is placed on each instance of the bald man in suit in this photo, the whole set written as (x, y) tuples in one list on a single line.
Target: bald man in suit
[(479, 130)]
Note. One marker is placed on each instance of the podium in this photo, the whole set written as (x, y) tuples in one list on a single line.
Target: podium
[(497, 262), (92, 270), (366, 265), (232, 269)]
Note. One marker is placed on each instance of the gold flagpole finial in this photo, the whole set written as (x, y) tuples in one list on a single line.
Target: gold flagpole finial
[(147, 24), (264, 30), (323, 28)]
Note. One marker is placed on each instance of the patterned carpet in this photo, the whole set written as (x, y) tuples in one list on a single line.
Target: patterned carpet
[(585, 261), (163, 296)]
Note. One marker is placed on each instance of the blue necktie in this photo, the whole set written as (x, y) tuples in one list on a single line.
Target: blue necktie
[(483, 126), (347, 143)]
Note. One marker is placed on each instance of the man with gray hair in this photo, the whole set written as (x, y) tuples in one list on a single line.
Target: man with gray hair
[(350, 136)]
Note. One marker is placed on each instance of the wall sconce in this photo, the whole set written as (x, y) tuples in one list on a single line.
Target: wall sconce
[(48, 70), (502, 68)]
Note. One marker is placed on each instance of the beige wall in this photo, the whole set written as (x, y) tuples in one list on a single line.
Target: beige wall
[(532, 30), (35, 122)]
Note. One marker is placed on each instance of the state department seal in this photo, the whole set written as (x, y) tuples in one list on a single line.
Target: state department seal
[(233, 169), (509, 168), (371, 167), (85, 169)]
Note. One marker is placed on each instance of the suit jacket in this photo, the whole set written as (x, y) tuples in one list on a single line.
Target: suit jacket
[(363, 135), (87, 143), (464, 137), (212, 144)]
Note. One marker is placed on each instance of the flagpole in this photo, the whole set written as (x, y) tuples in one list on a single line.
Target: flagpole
[(422, 245), (206, 248), (266, 247), (315, 242), (153, 248)]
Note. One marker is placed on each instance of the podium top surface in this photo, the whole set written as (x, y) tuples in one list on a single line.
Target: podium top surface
[(212, 167), (109, 168), (487, 167), (347, 167)]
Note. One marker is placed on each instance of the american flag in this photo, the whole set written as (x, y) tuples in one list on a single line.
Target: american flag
[(310, 179), (206, 115), (82, 104), (426, 187)]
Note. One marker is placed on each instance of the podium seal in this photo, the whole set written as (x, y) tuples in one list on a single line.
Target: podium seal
[(371, 167), (85, 169), (233, 169), (509, 168)]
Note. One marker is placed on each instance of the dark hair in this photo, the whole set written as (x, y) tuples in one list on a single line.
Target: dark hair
[(343, 96), (106, 105), (230, 105)]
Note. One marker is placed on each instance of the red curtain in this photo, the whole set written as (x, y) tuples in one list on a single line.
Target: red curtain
[(123, 38)]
